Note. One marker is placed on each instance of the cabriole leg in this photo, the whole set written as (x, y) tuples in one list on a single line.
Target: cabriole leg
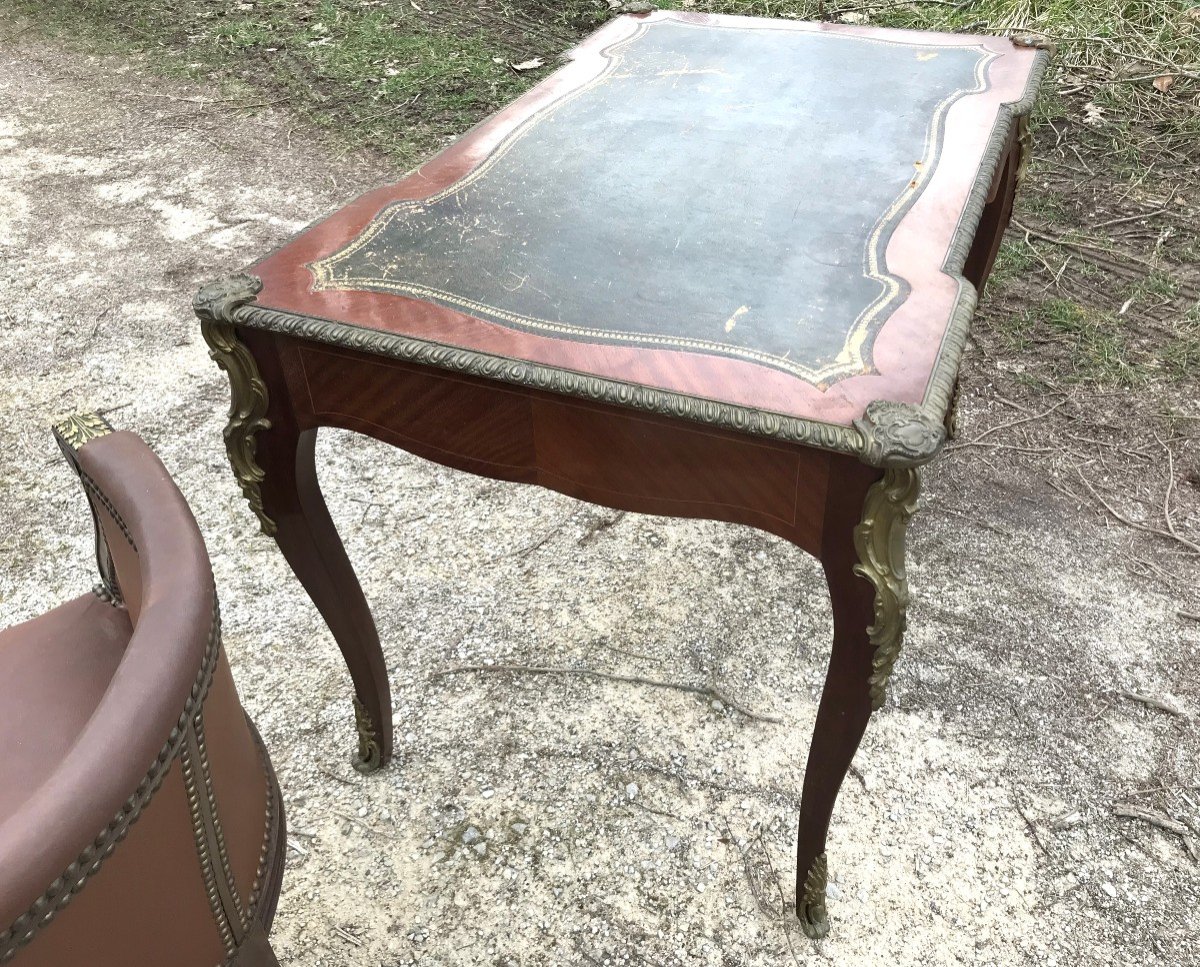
[(274, 462), (863, 557)]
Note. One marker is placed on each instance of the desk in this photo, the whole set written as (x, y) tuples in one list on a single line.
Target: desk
[(714, 267)]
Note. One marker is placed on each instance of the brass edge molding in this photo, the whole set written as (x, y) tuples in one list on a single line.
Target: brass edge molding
[(369, 753), (879, 541), (890, 434), (940, 389), (215, 306), (810, 905), (1025, 153), (824, 436), (78, 428), (73, 879)]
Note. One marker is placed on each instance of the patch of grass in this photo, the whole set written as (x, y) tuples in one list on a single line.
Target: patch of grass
[(1050, 209), (1096, 350), (397, 76), (1012, 261), (404, 76), (1181, 357), (1157, 284)]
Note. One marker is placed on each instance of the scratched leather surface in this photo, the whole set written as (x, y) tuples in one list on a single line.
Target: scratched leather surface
[(716, 190)]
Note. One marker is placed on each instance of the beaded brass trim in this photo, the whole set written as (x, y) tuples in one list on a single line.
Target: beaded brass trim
[(369, 753), (271, 827), (810, 905), (89, 861), (214, 305), (879, 540), (189, 760)]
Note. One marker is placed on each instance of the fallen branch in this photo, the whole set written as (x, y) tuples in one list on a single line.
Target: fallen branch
[(348, 937), (1166, 823), (1137, 524), (1167, 515), (1130, 218), (710, 692), (1030, 826), (1159, 703), (1107, 257), (540, 542), (603, 524), (1005, 426)]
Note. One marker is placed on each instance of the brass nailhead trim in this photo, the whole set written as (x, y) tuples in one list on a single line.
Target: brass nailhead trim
[(272, 827), (230, 891), (188, 759), (91, 485), (88, 862)]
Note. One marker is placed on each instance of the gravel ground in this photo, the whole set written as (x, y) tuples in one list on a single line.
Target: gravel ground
[(541, 820)]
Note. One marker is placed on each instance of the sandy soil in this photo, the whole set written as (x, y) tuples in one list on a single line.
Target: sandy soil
[(559, 821)]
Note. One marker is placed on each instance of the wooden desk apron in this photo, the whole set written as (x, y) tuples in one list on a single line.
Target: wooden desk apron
[(715, 267)]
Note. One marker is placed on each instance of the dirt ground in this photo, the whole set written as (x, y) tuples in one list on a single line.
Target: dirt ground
[(535, 821)]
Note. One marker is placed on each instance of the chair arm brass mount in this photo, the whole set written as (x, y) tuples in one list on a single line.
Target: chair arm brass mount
[(71, 433)]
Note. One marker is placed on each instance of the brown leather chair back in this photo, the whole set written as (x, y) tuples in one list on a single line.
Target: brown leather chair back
[(150, 832)]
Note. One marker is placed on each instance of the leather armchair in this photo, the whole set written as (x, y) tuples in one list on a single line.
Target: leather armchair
[(140, 819)]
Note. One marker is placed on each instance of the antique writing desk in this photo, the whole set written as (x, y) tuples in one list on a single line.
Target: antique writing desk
[(713, 267)]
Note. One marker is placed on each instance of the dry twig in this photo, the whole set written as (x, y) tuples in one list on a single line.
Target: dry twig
[(348, 937), (1165, 823), (1159, 703), (1005, 426), (710, 692), (1135, 524)]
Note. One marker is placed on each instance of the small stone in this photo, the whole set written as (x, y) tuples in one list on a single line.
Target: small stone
[(833, 891), (632, 790), (481, 848), (362, 811), (471, 835), (1109, 889), (488, 793), (672, 842), (519, 828)]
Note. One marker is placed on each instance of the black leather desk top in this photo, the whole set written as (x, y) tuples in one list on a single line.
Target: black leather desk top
[(722, 191)]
